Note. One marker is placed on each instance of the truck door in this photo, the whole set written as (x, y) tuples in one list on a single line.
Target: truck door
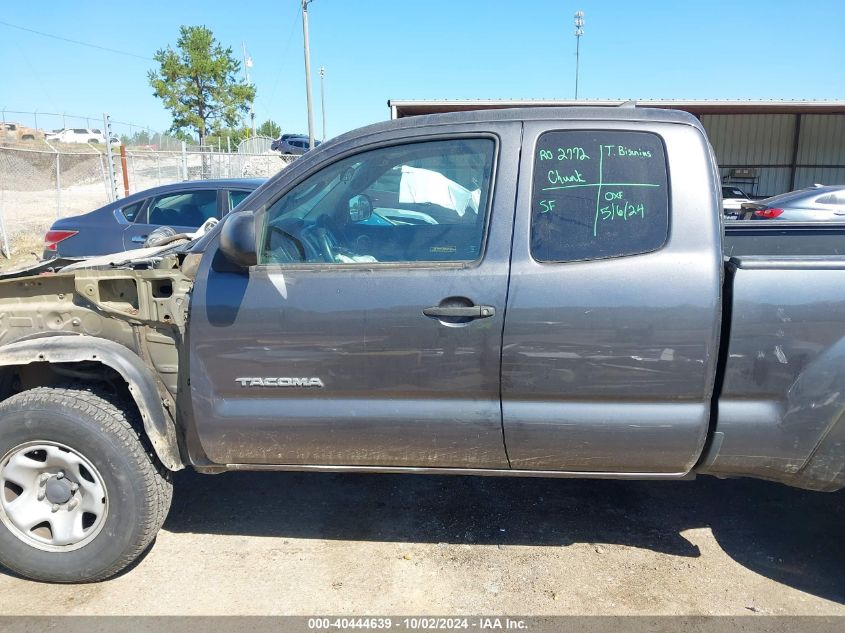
[(370, 331), (613, 313)]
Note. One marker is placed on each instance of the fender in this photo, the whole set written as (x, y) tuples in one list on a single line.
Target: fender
[(158, 425)]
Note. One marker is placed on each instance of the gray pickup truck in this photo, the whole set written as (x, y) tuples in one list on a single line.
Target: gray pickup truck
[(534, 292)]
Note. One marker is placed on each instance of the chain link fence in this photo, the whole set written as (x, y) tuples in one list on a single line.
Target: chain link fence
[(38, 186)]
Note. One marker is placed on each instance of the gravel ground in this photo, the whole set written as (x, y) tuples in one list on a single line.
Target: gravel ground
[(294, 543)]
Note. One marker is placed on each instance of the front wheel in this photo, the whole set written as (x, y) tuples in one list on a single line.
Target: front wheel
[(81, 497)]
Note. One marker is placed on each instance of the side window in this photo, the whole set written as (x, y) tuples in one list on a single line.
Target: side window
[(419, 202), (598, 195), (130, 212), (236, 197), (189, 209)]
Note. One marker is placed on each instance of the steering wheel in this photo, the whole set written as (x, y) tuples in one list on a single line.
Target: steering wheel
[(299, 242), (319, 240), (290, 249), (325, 239)]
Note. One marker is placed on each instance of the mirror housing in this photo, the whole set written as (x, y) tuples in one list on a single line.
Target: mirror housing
[(360, 208), (237, 239)]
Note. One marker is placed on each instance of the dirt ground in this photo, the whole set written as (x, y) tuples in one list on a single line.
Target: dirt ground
[(303, 544), (26, 251)]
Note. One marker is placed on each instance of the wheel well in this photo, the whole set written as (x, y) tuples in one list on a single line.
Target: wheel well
[(104, 365), (83, 374)]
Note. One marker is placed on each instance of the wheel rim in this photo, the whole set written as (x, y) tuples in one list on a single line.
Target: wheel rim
[(51, 496)]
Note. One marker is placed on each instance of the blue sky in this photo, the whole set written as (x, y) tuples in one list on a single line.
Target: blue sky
[(374, 50)]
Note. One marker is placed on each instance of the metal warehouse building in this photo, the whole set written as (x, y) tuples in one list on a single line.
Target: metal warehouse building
[(763, 147)]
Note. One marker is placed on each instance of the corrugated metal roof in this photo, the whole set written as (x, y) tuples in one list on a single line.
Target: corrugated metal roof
[(400, 108)]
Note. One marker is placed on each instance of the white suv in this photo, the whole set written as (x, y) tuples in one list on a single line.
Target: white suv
[(77, 135)]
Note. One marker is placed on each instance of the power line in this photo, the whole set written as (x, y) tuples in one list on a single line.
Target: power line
[(284, 58), (67, 39)]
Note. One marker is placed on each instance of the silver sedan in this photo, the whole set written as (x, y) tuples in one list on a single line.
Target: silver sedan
[(814, 204)]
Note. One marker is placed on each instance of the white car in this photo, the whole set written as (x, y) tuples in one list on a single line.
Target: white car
[(732, 200), (77, 135)]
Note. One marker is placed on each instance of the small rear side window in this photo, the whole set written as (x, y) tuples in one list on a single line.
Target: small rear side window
[(236, 197), (598, 194), (130, 212)]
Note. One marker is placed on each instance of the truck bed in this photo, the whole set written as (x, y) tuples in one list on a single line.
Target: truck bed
[(779, 401), (783, 238)]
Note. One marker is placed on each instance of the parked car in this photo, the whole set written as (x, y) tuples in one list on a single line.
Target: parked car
[(127, 223), (292, 145), (562, 311), (77, 135), (732, 200), (818, 203), (10, 131), (276, 145)]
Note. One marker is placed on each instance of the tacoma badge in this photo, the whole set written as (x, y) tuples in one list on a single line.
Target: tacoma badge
[(280, 382)]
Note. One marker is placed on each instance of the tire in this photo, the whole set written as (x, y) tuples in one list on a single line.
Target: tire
[(103, 452)]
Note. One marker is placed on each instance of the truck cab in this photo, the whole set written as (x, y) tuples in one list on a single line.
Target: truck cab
[(481, 291)]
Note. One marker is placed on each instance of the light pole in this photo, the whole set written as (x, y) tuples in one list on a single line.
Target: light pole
[(247, 66), (307, 73), (323, 98), (579, 31)]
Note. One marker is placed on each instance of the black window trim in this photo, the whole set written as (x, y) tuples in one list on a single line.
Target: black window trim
[(598, 259), (261, 215)]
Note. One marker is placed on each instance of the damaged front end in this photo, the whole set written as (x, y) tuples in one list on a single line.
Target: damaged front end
[(117, 321)]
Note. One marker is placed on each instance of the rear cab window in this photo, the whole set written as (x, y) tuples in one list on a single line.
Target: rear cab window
[(598, 194)]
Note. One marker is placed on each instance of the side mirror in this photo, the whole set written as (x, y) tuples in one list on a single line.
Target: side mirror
[(237, 239), (360, 208)]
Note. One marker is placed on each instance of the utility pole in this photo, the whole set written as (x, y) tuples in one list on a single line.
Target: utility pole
[(323, 99), (307, 73), (247, 66), (579, 31)]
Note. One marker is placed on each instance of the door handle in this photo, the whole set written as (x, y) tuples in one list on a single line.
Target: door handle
[(139, 239), (462, 312)]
